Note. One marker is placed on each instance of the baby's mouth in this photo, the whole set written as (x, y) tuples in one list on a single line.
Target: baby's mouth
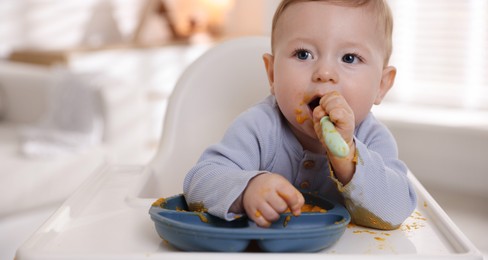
[(315, 102)]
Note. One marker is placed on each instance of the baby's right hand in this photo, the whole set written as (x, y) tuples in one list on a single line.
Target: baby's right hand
[(267, 195)]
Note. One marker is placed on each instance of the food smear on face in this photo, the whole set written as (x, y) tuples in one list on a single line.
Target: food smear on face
[(299, 117)]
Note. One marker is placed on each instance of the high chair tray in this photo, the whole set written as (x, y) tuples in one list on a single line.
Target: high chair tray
[(107, 218), (200, 231)]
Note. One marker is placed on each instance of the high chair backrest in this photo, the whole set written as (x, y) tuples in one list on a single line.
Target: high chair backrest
[(210, 93)]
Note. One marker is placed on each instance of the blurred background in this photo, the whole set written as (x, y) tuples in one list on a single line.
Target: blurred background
[(85, 82)]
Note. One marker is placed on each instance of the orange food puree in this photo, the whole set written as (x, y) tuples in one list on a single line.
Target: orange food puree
[(309, 208), (299, 117), (159, 202), (257, 214)]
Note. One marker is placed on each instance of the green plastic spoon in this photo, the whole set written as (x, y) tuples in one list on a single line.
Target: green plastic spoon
[(333, 139)]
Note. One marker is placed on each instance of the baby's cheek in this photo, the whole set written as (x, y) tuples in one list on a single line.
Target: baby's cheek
[(300, 117)]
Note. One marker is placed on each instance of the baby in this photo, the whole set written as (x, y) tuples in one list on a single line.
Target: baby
[(329, 58)]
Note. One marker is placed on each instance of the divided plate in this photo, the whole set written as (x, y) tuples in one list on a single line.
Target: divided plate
[(196, 231)]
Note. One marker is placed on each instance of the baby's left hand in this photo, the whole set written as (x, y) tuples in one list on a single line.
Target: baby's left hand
[(334, 105)]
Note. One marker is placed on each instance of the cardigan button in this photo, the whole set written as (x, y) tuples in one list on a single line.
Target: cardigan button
[(308, 164), (305, 185)]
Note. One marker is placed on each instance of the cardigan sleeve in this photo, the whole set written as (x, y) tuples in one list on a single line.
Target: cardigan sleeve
[(224, 169), (379, 195)]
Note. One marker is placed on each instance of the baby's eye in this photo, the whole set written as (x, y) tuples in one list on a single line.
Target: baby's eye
[(351, 58), (303, 54)]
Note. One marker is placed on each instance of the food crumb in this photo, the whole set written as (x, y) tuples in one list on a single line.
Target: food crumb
[(287, 219), (309, 208), (202, 217), (197, 207), (159, 202), (340, 221), (417, 215), (351, 225), (257, 214), (364, 231)]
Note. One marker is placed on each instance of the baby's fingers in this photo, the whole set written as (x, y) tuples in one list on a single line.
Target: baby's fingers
[(294, 199), (259, 219), (264, 215)]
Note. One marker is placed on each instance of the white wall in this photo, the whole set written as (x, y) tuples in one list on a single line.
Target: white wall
[(62, 24), (252, 17), (56, 23)]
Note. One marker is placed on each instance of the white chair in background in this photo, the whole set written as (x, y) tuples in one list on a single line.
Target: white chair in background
[(211, 92)]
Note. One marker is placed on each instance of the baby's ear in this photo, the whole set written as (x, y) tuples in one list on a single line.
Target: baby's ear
[(269, 66), (387, 80)]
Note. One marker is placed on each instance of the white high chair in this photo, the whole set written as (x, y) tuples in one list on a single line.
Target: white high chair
[(107, 218), (208, 96)]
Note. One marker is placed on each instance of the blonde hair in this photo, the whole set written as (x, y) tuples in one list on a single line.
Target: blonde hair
[(380, 7)]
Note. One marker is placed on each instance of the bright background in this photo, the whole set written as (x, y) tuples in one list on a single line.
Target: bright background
[(440, 50), (440, 46)]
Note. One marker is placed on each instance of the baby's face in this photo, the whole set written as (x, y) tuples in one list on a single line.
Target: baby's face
[(319, 48)]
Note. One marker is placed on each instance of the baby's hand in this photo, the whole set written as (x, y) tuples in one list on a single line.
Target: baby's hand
[(267, 195), (334, 105)]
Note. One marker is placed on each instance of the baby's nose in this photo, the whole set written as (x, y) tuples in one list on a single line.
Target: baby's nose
[(325, 72)]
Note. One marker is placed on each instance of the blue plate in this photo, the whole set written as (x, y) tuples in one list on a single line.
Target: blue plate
[(194, 231)]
